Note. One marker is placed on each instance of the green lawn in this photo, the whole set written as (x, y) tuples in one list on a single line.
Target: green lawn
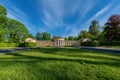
[(59, 64)]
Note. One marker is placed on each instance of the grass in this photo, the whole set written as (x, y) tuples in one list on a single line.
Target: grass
[(59, 64), (8, 48)]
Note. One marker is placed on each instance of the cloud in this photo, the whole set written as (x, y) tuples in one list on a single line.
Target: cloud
[(97, 16)]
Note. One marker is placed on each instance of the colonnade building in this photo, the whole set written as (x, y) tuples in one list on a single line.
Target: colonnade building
[(57, 42)]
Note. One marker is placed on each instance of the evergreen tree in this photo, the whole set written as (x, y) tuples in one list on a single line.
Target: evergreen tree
[(46, 36), (39, 36), (94, 28)]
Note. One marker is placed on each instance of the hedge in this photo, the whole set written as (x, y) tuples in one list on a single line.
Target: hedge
[(27, 44), (9, 44), (17, 44), (91, 44), (110, 43)]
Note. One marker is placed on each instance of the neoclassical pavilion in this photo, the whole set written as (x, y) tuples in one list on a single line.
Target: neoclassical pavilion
[(59, 42)]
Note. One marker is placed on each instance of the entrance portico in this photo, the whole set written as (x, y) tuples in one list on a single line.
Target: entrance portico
[(59, 42)]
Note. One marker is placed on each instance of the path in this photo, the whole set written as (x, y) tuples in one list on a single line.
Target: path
[(102, 49), (13, 50)]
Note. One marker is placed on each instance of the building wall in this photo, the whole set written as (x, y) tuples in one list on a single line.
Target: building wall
[(52, 43), (72, 43), (44, 43)]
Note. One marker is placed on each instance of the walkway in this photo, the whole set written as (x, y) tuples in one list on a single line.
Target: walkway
[(13, 50), (102, 49)]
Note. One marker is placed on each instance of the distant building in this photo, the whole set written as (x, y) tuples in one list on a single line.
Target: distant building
[(30, 40), (86, 40)]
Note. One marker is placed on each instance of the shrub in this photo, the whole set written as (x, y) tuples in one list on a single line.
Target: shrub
[(92, 44), (27, 44)]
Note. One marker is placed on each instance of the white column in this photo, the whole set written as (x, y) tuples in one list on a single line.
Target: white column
[(57, 42), (60, 42)]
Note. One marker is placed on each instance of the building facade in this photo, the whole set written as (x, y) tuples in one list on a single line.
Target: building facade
[(57, 42)]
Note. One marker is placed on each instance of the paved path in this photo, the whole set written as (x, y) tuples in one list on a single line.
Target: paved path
[(13, 50), (102, 49)]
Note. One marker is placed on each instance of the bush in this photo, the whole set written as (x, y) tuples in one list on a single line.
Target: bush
[(9, 44), (92, 44), (27, 44), (110, 43)]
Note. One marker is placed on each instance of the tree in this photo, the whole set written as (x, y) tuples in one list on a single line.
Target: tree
[(46, 36), (94, 28), (17, 31), (43, 36), (30, 36), (112, 29), (3, 23), (11, 30), (71, 38), (39, 36), (3, 10), (84, 34)]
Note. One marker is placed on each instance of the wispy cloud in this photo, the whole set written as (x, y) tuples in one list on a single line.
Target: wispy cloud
[(97, 16), (55, 11)]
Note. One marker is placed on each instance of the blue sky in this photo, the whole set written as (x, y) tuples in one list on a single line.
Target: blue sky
[(60, 17)]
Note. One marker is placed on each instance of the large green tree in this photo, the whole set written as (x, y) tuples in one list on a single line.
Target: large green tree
[(11, 30), (112, 29), (84, 34), (17, 31), (3, 23)]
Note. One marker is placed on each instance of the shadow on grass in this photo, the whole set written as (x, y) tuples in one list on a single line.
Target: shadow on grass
[(115, 63), (69, 50)]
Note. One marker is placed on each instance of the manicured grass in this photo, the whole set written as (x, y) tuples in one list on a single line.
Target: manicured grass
[(8, 48), (59, 64)]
